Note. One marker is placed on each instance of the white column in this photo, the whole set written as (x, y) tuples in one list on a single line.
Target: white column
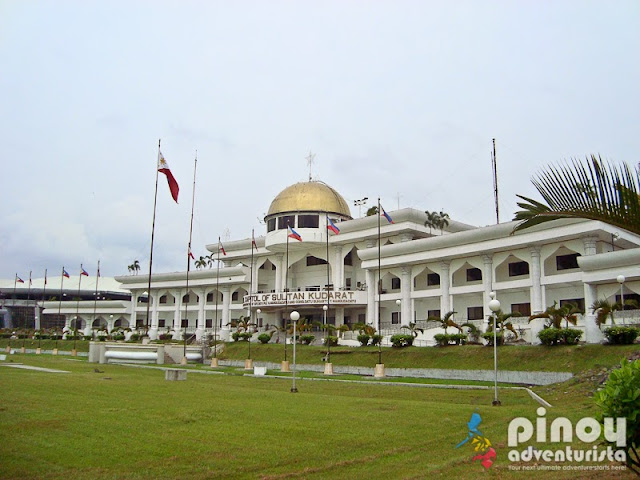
[(339, 312), (153, 330), (338, 268), (589, 245), (487, 284), (445, 284), (226, 306), (177, 324), (536, 286), (405, 288), (592, 333), (200, 323), (371, 297), (279, 272), (134, 311)]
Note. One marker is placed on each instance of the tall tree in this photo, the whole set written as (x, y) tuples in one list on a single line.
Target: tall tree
[(595, 191)]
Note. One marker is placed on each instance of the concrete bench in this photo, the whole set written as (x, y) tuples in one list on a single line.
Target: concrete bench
[(173, 374)]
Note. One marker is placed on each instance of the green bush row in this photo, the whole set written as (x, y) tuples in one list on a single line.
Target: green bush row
[(556, 336), (401, 340), (622, 335), (444, 339)]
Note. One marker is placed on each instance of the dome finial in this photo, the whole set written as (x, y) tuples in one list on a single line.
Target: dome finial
[(310, 159)]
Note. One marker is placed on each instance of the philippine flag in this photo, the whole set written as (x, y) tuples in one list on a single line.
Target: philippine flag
[(191, 254), (163, 167), (83, 272), (222, 248), (19, 280), (65, 273), (293, 234), (386, 215), (332, 226)]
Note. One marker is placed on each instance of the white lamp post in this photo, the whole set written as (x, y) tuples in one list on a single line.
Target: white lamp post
[(295, 316), (494, 306), (359, 203)]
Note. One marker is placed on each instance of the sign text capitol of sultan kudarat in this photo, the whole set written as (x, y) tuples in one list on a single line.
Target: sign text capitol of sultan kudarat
[(304, 298)]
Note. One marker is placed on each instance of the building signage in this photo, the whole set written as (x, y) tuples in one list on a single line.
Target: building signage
[(304, 298)]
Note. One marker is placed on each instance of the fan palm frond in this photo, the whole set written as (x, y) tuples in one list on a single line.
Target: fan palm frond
[(595, 191)]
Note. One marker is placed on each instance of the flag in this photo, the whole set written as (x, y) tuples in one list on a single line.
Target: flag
[(386, 215), (332, 226), (45, 276), (98, 273), (163, 167), (64, 273), (83, 271), (253, 242), (191, 254), (293, 234), (29, 278), (18, 279), (221, 248)]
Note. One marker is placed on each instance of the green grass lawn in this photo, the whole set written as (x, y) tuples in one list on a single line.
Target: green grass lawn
[(511, 357), (129, 423), (29, 343)]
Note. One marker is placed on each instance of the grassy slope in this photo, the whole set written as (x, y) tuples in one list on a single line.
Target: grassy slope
[(129, 423), (569, 359)]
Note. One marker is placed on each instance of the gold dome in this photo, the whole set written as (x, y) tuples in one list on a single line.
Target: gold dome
[(309, 197)]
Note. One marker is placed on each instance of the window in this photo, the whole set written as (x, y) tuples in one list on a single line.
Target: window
[(235, 296), (567, 262), (627, 298), (579, 302), (395, 283), (433, 279), (209, 297), (348, 259), (163, 299), (308, 221), (311, 261), (139, 322), (362, 317), (184, 323), (186, 299), (433, 313), (312, 288), (395, 318), (161, 322), (287, 220), (474, 275), (522, 308), (518, 268), (271, 225), (208, 323), (475, 313), (348, 283)]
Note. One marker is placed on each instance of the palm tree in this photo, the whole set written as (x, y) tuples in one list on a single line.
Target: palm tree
[(446, 321), (413, 329), (432, 220), (595, 191), (443, 220), (135, 266), (130, 268), (201, 262), (209, 259), (604, 309), (555, 315), (502, 321)]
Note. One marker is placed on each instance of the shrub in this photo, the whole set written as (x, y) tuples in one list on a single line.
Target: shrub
[(307, 339), (400, 340), (622, 335), (458, 338), (264, 338), (619, 398), (441, 339), (162, 336), (488, 336), (363, 339), (331, 340), (134, 337), (570, 336), (376, 339), (241, 336)]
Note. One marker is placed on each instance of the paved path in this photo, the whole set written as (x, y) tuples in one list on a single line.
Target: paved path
[(27, 367)]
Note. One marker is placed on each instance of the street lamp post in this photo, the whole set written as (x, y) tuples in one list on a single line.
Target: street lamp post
[(359, 203), (295, 316), (621, 280), (494, 306)]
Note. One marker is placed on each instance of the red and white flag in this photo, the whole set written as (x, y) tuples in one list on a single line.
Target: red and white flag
[(163, 167), (253, 242), (191, 254), (221, 248)]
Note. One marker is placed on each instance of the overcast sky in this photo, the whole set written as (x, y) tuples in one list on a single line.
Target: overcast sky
[(397, 99)]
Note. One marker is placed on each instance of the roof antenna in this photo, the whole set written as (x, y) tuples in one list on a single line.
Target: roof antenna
[(310, 158)]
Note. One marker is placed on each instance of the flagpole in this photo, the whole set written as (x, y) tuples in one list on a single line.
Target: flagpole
[(95, 295), (24, 338), (186, 312), (59, 308), (379, 288), (153, 230), (40, 315), (74, 352), (326, 317), (215, 326), (286, 294), (251, 291)]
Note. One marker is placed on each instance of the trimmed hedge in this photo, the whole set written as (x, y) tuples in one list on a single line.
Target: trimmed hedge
[(444, 339), (307, 339), (622, 335), (488, 336), (400, 340), (556, 336), (363, 339), (376, 339), (264, 338)]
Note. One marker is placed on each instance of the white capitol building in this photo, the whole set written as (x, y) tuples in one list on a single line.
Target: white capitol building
[(424, 272)]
